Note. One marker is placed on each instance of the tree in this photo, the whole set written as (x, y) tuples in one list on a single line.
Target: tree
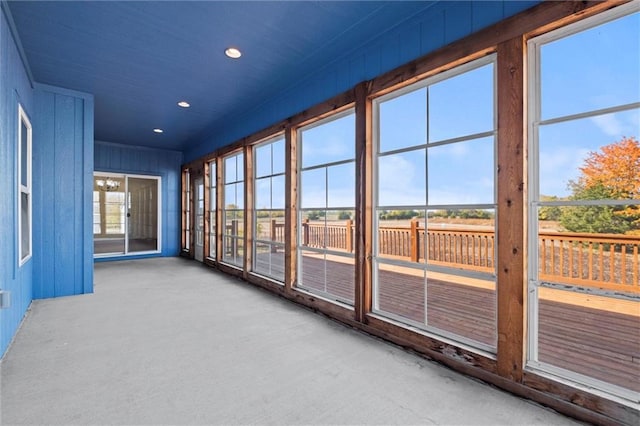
[(613, 173)]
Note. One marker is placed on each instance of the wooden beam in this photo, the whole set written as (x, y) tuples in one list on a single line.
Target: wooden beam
[(511, 272), (364, 203), (248, 210), (291, 209)]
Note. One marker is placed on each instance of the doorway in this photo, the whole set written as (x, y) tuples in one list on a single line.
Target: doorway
[(199, 222), (126, 214)]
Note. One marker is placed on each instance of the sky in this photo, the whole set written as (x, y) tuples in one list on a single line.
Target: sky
[(591, 70)]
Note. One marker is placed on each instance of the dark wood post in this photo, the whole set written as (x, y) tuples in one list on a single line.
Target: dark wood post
[(305, 233), (414, 241), (273, 235)]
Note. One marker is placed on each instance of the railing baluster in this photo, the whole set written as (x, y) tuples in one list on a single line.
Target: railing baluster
[(570, 248), (612, 262), (623, 268)]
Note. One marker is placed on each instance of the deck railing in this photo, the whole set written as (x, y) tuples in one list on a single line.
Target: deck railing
[(608, 261)]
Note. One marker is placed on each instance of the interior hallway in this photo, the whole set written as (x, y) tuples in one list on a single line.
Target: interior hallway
[(168, 341)]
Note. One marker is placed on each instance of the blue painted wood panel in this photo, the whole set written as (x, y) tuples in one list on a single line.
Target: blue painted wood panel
[(15, 88), (63, 166), (435, 27), (117, 158)]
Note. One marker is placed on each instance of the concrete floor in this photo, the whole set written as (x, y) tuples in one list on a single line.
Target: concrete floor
[(168, 341)]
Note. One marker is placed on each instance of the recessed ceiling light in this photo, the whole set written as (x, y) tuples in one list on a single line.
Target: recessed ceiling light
[(233, 53), (184, 104), (158, 130)]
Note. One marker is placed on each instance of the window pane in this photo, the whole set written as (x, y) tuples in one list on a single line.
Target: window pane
[(401, 291), (24, 154), (593, 69), (462, 239), (461, 105), (403, 121), (26, 230), (578, 331), (341, 185), (329, 142), (402, 179), (278, 157), (230, 196), (212, 199), (230, 170), (593, 246), (263, 160), (263, 193), (269, 260), (462, 172), (313, 191), (240, 166), (462, 306), (277, 192), (401, 234), (564, 147)]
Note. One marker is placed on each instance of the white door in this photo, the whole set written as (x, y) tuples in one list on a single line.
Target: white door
[(199, 222)]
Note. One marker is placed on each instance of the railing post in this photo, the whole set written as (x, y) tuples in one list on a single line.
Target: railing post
[(414, 238), (234, 241), (305, 233), (349, 237), (273, 236)]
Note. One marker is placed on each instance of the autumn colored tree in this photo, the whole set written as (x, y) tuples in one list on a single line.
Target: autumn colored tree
[(613, 173)]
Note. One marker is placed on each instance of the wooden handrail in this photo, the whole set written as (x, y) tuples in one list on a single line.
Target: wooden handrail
[(609, 261)]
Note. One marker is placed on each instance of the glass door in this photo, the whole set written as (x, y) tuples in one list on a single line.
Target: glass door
[(142, 214), (126, 217)]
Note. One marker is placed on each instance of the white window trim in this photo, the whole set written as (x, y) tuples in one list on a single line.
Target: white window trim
[(590, 384), (28, 189)]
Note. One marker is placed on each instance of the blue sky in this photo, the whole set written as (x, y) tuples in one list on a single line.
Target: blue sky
[(588, 71), (591, 70)]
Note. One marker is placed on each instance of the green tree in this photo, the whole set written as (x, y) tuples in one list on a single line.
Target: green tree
[(549, 212), (600, 219)]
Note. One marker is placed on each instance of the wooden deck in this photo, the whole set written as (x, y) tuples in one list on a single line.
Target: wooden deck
[(600, 343)]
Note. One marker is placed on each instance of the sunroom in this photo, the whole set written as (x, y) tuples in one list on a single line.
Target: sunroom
[(461, 179)]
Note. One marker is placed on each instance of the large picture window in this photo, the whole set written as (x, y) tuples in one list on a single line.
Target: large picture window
[(327, 204), (213, 202), (435, 224), (25, 200), (584, 232), (233, 213), (269, 205), (186, 210)]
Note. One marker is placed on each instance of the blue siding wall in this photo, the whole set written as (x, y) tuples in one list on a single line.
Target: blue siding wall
[(14, 88), (110, 157), (436, 27), (62, 203)]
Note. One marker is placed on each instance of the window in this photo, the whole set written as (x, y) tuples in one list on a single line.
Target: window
[(186, 210), (434, 258), (233, 210), (24, 186), (269, 203), (213, 193), (327, 202), (584, 207)]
